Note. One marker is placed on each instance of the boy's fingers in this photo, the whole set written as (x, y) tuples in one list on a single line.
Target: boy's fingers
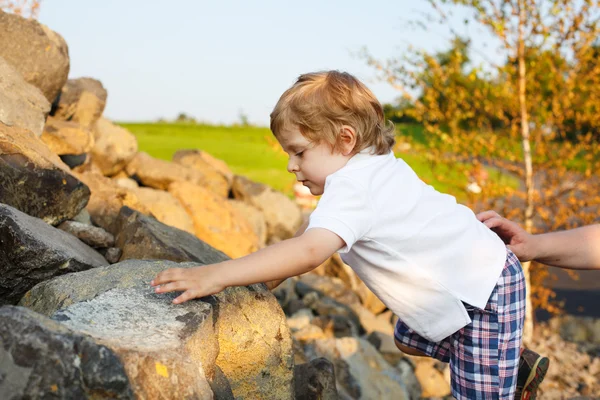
[(173, 287), (185, 296), (166, 276)]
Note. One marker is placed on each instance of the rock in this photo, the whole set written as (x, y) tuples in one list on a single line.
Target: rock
[(201, 159), (216, 172), (114, 147), (38, 53), (315, 380), (255, 217), (215, 221), (142, 237), (126, 183), (42, 358), (254, 345), (368, 298), (32, 251), (67, 138), (74, 161), (35, 180), (21, 104), (165, 207), (159, 174), (220, 386), (81, 100), (90, 235), (112, 254), (107, 199), (407, 373), (83, 217), (283, 216), (360, 371), (432, 381)]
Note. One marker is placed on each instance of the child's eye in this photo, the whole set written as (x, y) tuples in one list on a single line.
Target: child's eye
[(299, 154)]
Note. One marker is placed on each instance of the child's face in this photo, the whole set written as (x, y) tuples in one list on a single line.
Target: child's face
[(310, 162)]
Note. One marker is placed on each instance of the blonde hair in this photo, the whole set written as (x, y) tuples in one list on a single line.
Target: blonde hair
[(320, 103)]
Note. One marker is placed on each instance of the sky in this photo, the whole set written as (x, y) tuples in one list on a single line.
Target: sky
[(216, 60)]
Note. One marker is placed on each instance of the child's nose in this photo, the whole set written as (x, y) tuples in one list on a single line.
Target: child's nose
[(292, 166)]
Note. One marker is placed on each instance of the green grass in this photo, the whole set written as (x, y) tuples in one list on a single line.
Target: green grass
[(250, 151)]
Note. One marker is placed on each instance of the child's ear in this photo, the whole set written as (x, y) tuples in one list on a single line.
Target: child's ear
[(347, 139)]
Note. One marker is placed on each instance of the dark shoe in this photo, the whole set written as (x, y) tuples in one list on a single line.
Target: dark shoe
[(532, 369)]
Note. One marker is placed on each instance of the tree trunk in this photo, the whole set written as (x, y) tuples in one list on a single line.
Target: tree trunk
[(528, 217)]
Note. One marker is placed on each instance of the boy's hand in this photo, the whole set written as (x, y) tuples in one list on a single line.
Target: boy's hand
[(193, 282)]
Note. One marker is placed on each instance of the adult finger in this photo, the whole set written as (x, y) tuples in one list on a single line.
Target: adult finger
[(493, 222), (482, 216)]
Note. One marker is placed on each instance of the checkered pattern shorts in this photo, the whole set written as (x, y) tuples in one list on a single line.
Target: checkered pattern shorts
[(484, 355)]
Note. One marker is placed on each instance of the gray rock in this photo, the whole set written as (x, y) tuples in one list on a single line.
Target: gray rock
[(40, 358), (38, 53), (112, 254), (32, 251), (21, 104), (315, 380), (254, 344), (91, 235), (36, 181), (81, 100), (142, 237)]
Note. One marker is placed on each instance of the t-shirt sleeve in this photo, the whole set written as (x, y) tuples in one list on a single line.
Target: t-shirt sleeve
[(344, 209)]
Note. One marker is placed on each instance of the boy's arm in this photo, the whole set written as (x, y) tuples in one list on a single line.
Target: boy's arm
[(273, 284), (284, 259)]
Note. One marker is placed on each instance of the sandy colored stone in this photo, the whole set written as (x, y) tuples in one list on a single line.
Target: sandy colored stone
[(65, 137), (215, 221), (216, 171), (165, 208), (81, 100), (114, 147)]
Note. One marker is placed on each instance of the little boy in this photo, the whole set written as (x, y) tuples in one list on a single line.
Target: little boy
[(458, 291)]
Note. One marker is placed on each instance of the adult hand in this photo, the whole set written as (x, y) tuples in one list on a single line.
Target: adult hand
[(518, 240)]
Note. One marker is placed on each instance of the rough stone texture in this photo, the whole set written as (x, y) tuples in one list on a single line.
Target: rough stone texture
[(215, 221), (66, 137), (38, 53), (159, 174), (81, 100), (283, 216), (165, 207), (107, 199), (200, 159), (112, 254), (36, 181), (360, 371), (255, 217), (216, 172), (114, 147), (315, 380), (254, 344), (21, 104), (90, 235), (32, 251), (40, 358), (143, 237)]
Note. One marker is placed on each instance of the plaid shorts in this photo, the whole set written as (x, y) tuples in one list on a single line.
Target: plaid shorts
[(484, 355)]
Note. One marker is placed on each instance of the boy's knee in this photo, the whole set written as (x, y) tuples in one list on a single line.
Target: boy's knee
[(409, 350)]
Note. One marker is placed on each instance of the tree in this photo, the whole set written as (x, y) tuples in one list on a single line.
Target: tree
[(25, 8), (480, 115)]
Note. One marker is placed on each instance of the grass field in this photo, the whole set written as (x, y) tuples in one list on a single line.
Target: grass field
[(253, 152)]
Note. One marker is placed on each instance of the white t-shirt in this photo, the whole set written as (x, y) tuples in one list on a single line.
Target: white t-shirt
[(418, 250)]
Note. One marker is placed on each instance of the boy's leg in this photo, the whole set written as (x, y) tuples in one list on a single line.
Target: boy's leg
[(485, 354), (410, 342)]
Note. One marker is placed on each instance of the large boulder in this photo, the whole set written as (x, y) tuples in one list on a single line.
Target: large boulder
[(144, 238), (159, 174), (165, 208), (216, 171), (283, 216), (81, 100), (255, 217), (31, 251), (42, 358), (107, 199), (116, 305), (35, 181), (38, 53), (66, 137), (114, 147), (21, 104), (215, 221)]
